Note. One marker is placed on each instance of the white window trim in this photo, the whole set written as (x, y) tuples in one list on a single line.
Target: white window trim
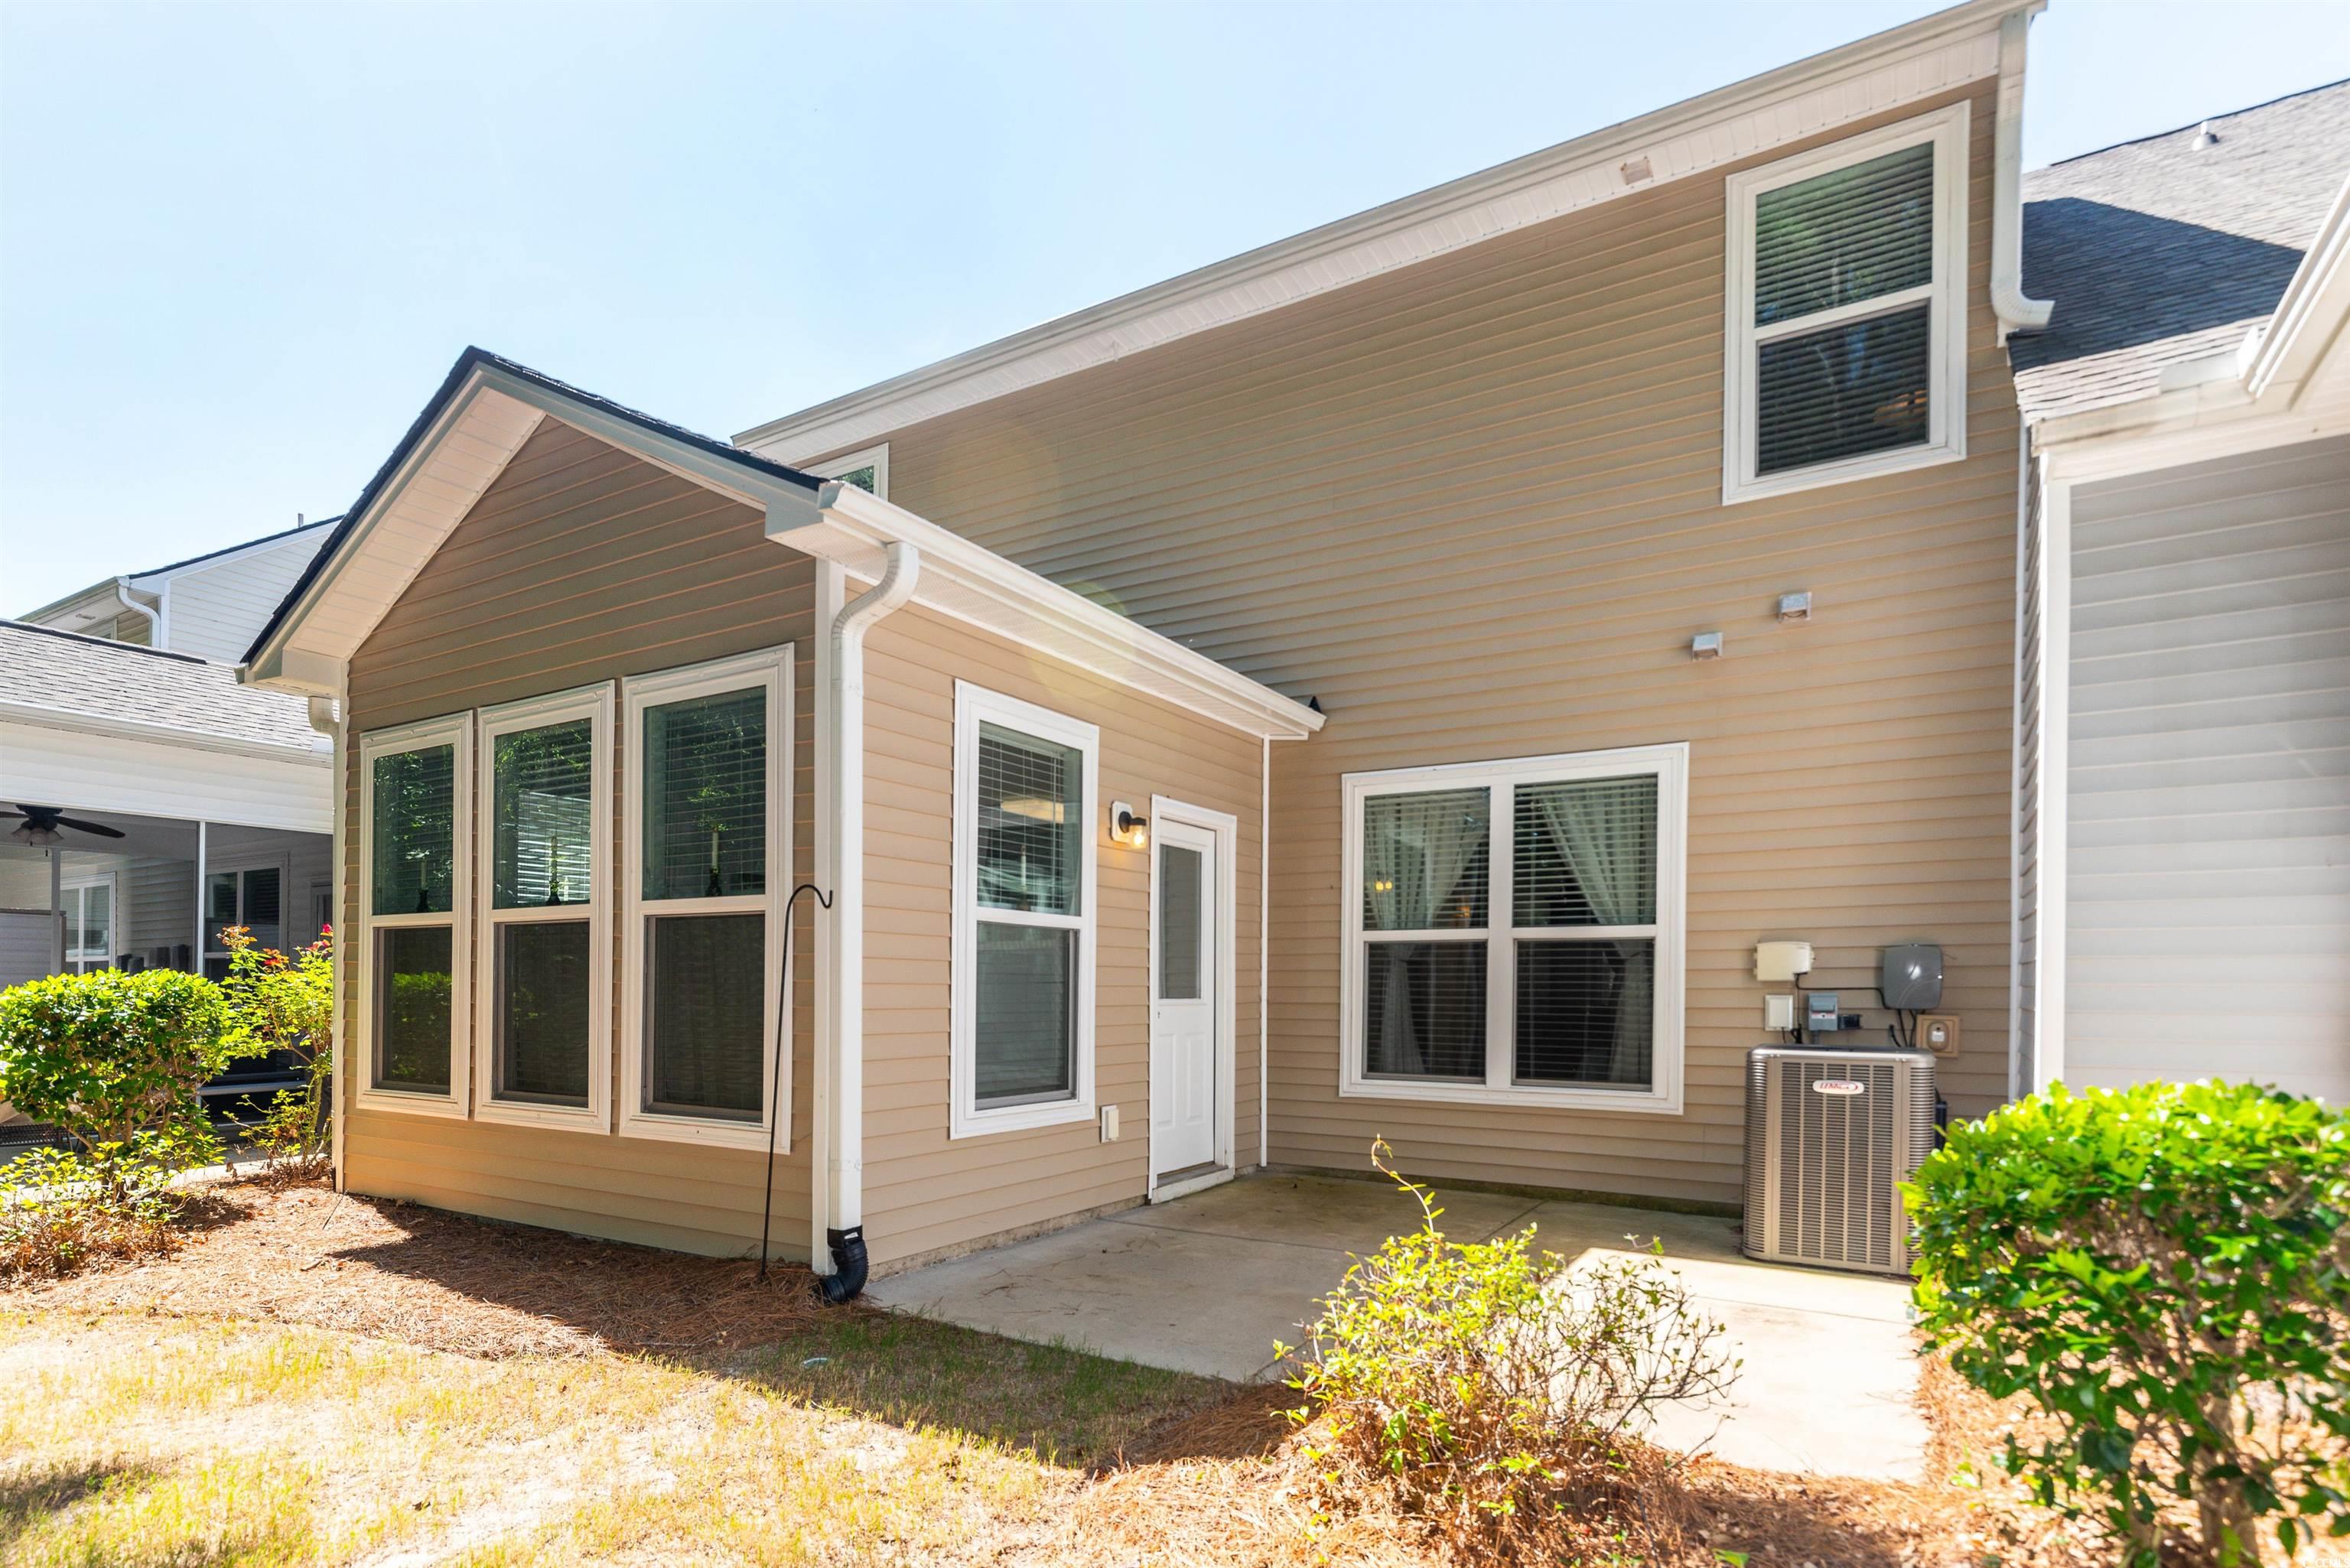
[(876, 458), (69, 891), (973, 706), (1669, 763), (594, 703), (770, 669), (1946, 436), (456, 730)]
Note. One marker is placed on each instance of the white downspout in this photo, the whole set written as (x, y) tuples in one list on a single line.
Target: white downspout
[(2016, 311), (2015, 1076), (326, 717), (1263, 953), (154, 622), (840, 1129)]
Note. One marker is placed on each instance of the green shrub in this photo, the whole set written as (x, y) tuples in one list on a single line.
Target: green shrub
[(116, 1059), (285, 1003), (2166, 1272), (1498, 1398)]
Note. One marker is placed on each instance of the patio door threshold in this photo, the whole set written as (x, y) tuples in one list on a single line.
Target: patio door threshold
[(1192, 1178)]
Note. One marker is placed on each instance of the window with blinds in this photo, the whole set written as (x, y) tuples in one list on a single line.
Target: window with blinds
[(1541, 960), (1845, 310), (1024, 914), (417, 789)]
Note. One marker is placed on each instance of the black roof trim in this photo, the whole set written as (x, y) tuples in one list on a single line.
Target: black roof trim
[(100, 641), (233, 549), (2200, 122), (467, 362)]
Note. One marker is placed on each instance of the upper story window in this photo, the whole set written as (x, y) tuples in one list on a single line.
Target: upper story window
[(868, 469), (1514, 930), (1846, 310), (1024, 915), (415, 814)]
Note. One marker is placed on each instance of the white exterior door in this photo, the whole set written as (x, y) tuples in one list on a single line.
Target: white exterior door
[(1184, 1007)]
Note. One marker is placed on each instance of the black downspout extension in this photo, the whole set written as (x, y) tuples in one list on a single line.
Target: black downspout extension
[(846, 1280)]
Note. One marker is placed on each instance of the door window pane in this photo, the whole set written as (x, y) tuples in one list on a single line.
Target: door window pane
[(1425, 860), (415, 806), (411, 1008), (1026, 1008), (543, 1012), (1587, 853), (1179, 922), (543, 836), (705, 771), (1031, 815), (264, 906), (706, 1014), (220, 904), (1586, 1012), (97, 936), (1424, 1010)]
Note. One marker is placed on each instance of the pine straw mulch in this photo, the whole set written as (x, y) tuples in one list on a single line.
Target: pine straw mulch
[(295, 1253)]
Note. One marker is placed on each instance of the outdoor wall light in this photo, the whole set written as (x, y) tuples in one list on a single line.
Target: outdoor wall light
[(1128, 828), (1706, 645), (1796, 606)]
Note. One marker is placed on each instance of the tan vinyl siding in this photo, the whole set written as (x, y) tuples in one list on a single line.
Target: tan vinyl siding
[(582, 565), (2207, 916), (1474, 506), (924, 1191)]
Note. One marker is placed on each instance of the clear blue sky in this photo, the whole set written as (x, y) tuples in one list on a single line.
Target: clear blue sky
[(239, 245)]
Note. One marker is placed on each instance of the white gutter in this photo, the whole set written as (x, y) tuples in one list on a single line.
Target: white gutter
[(2301, 333), (154, 622), (2016, 311), (840, 1120), (326, 718)]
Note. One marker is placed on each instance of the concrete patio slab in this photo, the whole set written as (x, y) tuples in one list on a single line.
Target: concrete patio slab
[(1207, 1284)]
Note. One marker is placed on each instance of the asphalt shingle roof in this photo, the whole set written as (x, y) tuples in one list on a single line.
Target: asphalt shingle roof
[(2158, 251), (88, 676)]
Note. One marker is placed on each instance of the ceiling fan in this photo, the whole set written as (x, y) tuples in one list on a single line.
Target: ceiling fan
[(40, 825)]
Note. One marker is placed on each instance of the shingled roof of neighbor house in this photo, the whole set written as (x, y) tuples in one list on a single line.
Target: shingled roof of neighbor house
[(2171, 247), (62, 677)]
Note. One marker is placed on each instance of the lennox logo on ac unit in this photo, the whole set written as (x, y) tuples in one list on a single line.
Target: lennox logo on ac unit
[(1838, 1086)]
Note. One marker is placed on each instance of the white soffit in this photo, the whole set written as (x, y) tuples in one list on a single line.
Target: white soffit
[(981, 588), (1858, 81)]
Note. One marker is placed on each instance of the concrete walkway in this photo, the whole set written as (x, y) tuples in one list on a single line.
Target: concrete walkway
[(1207, 1282)]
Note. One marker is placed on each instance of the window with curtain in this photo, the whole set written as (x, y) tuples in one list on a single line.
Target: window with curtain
[(1514, 924), (541, 903), (1025, 925), (415, 819), (1846, 309)]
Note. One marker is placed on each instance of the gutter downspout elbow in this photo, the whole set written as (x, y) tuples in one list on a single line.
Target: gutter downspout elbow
[(844, 1141), (154, 622), (2016, 311)]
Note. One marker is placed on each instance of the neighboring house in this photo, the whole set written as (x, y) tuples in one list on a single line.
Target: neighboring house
[(2184, 819), (208, 605), (1377, 569), (121, 706)]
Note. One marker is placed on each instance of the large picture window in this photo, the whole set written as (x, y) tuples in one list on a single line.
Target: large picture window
[(1024, 914), (543, 1023), (1514, 930), (415, 823), (708, 817), (1846, 310)]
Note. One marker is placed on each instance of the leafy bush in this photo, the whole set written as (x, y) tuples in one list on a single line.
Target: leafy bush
[(285, 1004), (2166, 1272), (60, 1209), (116, 1059), (1499, 1398)]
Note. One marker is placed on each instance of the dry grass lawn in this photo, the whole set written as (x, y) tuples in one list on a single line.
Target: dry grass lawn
[(322, 1381)]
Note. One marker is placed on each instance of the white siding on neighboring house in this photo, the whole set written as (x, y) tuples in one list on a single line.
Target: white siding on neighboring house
[(2208, 928), (215, 611)]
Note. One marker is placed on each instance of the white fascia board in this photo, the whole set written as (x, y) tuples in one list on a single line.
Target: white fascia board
[(975, 585), (2305, 330), (134, 728), (1860, 80), (164, 776), (484, 424), (98, 600)]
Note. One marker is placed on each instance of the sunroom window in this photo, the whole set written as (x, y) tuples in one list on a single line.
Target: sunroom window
[(709, 834), (1515, 932), (1847, 306), (415, 816), (1024, 914)]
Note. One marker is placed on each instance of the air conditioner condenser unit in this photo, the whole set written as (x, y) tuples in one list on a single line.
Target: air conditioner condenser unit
[(1830, 1136)]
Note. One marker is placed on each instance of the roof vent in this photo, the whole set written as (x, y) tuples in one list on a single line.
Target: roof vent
[(2205, 137), (1635, 170)]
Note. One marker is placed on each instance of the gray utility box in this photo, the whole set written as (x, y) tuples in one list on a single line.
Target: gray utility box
[(1830, 1136)]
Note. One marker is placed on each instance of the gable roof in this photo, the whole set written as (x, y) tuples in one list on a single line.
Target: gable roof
[(103, 589), (1857, 81), (69, 681), (2160, 251)]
